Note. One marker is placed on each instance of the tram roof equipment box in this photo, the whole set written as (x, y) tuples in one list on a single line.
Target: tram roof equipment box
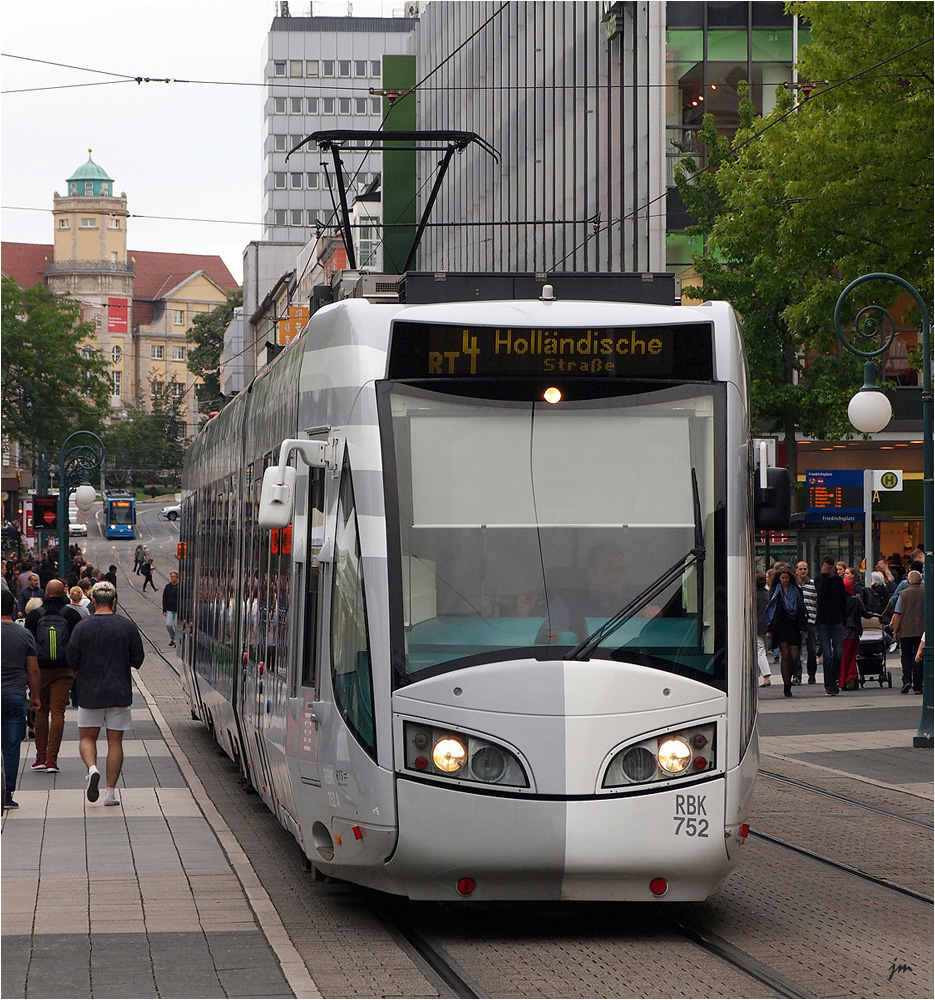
[(650, 288)]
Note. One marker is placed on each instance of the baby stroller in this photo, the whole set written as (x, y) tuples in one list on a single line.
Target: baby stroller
[(871, 654)]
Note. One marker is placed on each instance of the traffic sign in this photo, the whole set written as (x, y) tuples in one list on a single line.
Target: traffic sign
[(888, 480)]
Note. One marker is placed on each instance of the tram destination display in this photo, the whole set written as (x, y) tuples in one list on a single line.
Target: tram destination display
[(680, 351)]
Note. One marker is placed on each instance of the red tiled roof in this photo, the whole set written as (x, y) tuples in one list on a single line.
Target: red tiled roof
[(25, 262), (159, 272), (156, 272)]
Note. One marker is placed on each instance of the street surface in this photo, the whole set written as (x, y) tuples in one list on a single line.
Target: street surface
[(840, 779)]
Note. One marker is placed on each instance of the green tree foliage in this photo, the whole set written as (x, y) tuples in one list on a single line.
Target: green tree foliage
[(53, 382), (206, 338), (801, 202), (148, 447)]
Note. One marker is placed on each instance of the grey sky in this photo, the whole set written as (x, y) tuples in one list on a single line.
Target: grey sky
[(188, 150)]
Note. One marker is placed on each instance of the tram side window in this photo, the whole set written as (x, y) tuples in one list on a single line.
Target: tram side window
[(350, 650), (251, 567)]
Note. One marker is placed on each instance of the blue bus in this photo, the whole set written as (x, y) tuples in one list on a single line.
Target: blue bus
[(119, 516)]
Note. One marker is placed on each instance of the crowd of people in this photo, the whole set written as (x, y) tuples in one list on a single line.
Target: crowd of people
[(63, 643), (802, 618)]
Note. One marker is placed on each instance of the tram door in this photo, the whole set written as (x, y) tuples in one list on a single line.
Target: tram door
[(303, 716)]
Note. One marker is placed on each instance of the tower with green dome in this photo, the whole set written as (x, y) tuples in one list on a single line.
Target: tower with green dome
[(90, 225), (90, 262)]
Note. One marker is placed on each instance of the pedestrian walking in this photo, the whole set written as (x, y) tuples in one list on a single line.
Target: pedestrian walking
[(908, 628), (762, 660), (138, 559), (103, 650), (31, 590), (849, 678), (78, 601), (830, 612), (786, 623), (170, 605), (807, 585), (19, 667), (52, 625), (147, 571)]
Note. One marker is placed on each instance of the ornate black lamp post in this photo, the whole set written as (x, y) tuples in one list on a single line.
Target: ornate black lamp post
[(80, 463), (869, 411)]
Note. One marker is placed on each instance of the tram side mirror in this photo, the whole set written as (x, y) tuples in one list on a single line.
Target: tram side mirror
[(773, 502), (277, 496)]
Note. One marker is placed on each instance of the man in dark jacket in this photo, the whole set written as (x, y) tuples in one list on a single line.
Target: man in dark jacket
[(31, 590), (830, 612), (103, 649), (55, 674), (170, 605)]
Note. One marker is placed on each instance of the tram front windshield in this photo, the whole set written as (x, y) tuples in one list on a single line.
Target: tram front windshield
[(121, 512), (524, 527)]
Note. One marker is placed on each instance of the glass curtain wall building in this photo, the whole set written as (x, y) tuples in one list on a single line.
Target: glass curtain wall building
[(710, 49)]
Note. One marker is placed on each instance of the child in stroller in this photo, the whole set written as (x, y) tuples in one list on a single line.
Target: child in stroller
[(871, 654)]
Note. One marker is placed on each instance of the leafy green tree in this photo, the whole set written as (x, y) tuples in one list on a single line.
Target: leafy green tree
[(148, 447), (801, 202), (206, 337), (53, 382)]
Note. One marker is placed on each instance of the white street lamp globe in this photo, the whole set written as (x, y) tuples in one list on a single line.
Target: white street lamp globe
[(84, 497), (869, 411)]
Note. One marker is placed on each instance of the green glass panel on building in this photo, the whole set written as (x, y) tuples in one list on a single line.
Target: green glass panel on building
[(679, 250), (771, 45), (727, 46), (399, 166), (684, 46)]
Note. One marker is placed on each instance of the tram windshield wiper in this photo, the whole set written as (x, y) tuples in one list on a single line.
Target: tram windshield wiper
[(695, 555)]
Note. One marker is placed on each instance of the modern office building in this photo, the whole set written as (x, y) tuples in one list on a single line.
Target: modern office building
[(709, 49), (572, 105), (320, 73)]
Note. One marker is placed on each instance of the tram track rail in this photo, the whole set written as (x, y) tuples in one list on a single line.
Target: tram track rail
[(452, 977), (439, 963), (890, 814), (877, 880), (742, 961)]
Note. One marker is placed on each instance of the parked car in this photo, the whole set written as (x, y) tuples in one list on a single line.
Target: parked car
[(171, 512), (76, 527)]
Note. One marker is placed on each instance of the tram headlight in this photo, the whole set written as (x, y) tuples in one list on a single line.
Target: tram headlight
[(639, 764), (446, 753), (488, 764), (663, 757), (674, 755)]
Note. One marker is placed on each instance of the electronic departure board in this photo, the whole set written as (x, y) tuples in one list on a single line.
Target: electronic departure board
[(838, 492), (682, 352)]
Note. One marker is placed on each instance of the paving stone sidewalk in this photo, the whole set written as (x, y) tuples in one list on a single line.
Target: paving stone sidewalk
[(134, 901)]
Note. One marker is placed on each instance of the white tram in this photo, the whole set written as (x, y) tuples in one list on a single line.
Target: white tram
[(499, 643)]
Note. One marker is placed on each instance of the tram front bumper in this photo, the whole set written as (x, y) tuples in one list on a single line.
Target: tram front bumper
[(607, 848)]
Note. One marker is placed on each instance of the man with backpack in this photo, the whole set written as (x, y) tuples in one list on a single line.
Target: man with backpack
[(52, 625)]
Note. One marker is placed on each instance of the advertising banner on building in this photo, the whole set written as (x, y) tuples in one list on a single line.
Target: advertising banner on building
[(116, 315), (290, 328)]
